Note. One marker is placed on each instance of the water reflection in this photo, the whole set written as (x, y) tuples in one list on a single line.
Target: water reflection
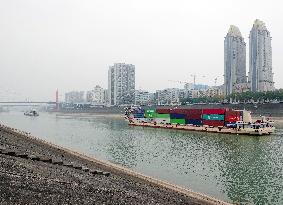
[(123, 150), (250, 172)]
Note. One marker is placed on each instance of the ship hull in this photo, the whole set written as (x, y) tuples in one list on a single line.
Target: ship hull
[(221, 130)]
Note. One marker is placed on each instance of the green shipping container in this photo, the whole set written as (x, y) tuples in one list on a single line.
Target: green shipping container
[(162, 115), (178, 121), (149, 114), (213, 117), (150, 111)]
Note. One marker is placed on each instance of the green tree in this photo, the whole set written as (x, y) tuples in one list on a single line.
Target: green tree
[(257, 96)]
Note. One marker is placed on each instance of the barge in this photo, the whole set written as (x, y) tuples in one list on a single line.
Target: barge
[(217, 120)]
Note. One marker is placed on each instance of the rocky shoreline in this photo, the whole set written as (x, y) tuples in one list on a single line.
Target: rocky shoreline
[(33, 171)]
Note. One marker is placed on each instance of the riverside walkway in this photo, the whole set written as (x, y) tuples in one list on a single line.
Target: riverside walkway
[(33, 171)]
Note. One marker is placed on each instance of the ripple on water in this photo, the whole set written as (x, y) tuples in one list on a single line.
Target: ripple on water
[(234, 168)]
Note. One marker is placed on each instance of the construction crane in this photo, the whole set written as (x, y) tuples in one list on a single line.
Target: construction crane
[(194, 76), (215, 80), (185, 82), (178, 81), (194, 80)]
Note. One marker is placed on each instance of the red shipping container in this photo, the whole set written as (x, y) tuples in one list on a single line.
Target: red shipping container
[(219, 111), (232, 116), (232, 113), (195, 116), (178, 111), (214, 123), (194, 111), (163, 110)]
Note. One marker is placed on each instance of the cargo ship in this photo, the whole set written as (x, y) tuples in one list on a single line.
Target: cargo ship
[(215, 120)]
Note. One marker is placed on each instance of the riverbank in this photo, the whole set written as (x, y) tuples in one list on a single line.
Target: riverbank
[(33, 171), (256, 109)]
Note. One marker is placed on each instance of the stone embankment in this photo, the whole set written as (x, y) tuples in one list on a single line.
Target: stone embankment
[(33, 171)]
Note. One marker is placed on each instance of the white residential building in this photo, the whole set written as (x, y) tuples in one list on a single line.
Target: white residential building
[(212, 92), (121, 84), (96, 96), (142, 97), (169, 96), (193, 93), (89, 96)]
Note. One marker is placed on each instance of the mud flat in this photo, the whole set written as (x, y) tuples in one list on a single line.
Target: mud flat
[(33, 171)]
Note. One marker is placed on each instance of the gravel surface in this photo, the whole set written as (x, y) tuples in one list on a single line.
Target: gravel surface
[(32, 172)]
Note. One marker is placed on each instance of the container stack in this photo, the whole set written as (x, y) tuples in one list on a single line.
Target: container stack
[(150, 114), (163, 111), (219, 120), (138, 113), (213, 117), (193, 116), (162, 116), (177, 116), (231, 117)]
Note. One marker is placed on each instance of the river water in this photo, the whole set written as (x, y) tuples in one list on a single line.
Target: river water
[(242, 169)]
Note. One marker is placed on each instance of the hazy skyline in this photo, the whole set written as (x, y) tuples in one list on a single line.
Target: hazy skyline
[(69, 45)]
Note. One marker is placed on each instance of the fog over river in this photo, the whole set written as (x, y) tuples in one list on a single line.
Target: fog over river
[(229, 167)]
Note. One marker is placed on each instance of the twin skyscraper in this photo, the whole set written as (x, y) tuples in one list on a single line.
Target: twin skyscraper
[(260, 76)]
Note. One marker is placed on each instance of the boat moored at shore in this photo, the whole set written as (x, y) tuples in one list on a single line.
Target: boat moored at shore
[(220, 120), (31, 113)]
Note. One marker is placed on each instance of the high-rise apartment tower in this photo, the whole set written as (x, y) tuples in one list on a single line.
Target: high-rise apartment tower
[(234, 60), (260, 65), (121, 84)]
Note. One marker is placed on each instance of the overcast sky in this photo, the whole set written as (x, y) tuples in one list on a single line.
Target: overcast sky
[(69, 45)]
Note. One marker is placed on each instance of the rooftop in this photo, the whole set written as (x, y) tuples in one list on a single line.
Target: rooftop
[(259, 24), (234, 31)]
